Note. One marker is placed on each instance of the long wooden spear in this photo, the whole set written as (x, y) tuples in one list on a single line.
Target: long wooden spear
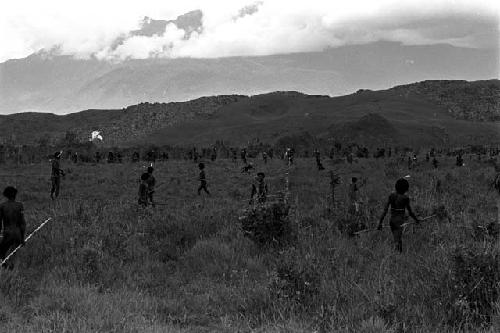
[(27, 238)]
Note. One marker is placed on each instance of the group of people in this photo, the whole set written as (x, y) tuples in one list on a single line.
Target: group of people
[(13, 224)]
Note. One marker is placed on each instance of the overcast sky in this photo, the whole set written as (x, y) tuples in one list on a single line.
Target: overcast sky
[(86, 28)]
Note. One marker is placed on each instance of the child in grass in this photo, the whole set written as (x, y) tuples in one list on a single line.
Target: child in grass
[(399, 203)]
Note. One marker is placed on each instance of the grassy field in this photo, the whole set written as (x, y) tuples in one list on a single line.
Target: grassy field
[(103, 265)]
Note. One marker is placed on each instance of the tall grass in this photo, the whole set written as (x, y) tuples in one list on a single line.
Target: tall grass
[(103, 265)]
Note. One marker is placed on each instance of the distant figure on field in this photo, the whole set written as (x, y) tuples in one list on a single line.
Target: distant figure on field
[(435, 162), (350, 158), (135, 157), (203, 179), (13, 225), (399, 203), (243, 155), (143, 190), (259, 189), (97, 157), (460, 160), (151, 182), (234, 155), (317, 156), (247, 168), (264, 157), (213, 156), (289, 156), (354, 195), (111, 157), (56, 174)]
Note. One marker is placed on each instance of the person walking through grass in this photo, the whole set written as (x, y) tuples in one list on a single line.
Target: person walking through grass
[(203, 179), (399, 203), (13, 225), (56, 174)]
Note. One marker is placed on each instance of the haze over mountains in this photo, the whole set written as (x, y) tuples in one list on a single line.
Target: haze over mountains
[(47, 82)]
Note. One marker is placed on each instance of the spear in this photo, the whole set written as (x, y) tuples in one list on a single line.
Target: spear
[(402, 225), (27, 238)]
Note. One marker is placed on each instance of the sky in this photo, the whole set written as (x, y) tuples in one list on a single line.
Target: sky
[(90, 28)]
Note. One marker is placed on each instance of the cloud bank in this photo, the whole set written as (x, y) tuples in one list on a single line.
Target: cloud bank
[(91, 28)]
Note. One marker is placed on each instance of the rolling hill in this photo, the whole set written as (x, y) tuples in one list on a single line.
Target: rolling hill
[(391, 116)]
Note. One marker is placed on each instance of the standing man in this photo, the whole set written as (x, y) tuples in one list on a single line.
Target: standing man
[(151, 182), (56, 174), (12, 223)]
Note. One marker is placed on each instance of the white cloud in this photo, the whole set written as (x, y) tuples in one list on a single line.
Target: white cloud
[(84, 28)]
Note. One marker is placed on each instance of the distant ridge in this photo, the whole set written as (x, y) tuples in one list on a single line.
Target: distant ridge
[(408, 114), (48, 82)]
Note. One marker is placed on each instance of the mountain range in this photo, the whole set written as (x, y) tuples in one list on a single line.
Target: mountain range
[(48, 82), (420, 114)]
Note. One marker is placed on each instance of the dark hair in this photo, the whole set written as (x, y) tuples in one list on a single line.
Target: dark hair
[(201, 165), (150, 169), (354, 179), (57, 154), (402, 186), (144, 176), (261, 174), (10, 192)]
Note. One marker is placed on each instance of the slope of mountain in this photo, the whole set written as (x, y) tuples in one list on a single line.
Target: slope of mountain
[(416, 120), (368, 117), (62, 84), (465, 100)]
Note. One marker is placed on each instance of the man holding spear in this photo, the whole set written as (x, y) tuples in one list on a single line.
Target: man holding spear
[(56, 174), (399, 203), (12, 223)]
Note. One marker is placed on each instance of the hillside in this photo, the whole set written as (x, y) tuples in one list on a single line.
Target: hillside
[(45, 82), (478, 100), (394, 117)]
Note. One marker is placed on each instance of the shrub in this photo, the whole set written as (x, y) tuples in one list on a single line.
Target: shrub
[(268, 223)]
